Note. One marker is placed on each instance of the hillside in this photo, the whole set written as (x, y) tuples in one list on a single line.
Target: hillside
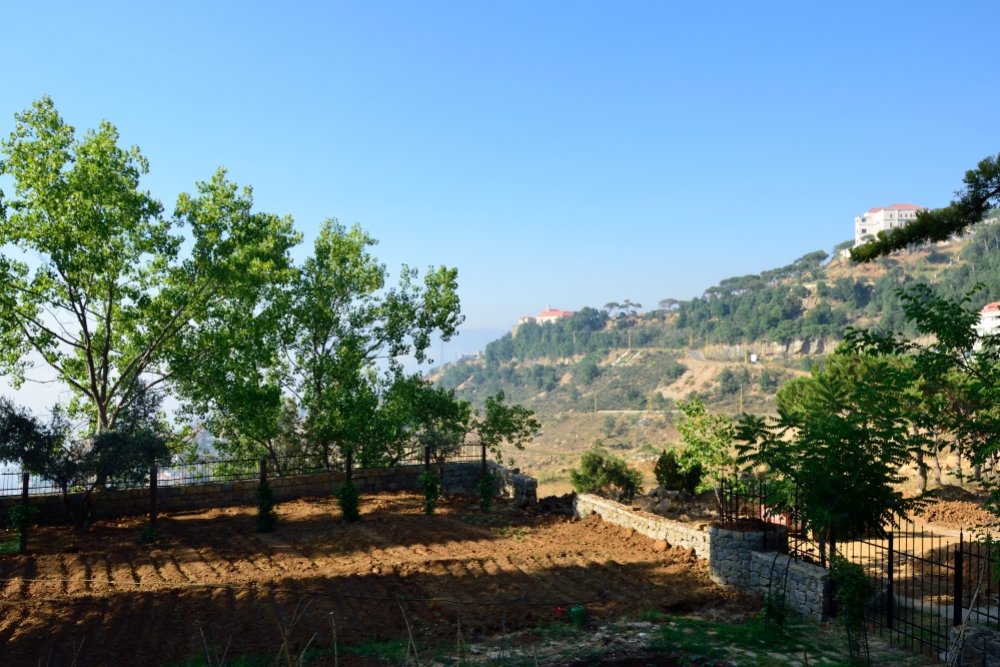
[(733, 346)]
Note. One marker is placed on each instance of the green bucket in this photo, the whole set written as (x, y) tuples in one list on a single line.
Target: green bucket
[(578, 615)]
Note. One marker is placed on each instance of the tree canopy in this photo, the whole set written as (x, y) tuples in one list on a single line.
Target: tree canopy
[(98, 289)]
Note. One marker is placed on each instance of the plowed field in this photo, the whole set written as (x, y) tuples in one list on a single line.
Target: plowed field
[(101, 598)]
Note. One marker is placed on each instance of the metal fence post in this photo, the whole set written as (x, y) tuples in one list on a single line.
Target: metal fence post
[(25, 483), (889, 588), (349, 466), (957, 593), (483, 457), (427, 458)]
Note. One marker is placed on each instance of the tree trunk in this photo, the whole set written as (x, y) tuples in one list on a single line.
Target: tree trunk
[(921, 472)]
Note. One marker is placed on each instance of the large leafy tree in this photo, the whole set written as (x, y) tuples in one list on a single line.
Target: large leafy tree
[(93, 283), (840, 438), (349, 331), (971, 205), (956, 373)]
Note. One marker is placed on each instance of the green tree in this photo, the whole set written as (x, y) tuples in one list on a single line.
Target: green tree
[(502, 424), (708, 439), (955, 376), (344, 320), (840, 438), (973, 203), (98, 290), (606, 474)]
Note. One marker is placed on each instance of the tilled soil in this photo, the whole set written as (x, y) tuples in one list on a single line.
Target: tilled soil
[(211, 582)]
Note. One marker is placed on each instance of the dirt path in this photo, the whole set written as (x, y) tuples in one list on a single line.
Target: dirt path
[(212, 581)]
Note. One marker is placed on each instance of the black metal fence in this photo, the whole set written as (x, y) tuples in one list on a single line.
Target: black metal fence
[(917, 594), (208, 470), (923, 583)]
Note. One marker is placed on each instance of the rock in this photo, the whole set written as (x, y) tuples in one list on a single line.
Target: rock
[(660, 546), (644, 503)]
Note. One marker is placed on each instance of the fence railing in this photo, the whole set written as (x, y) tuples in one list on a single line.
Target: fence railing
[(923, 583), (216, 469)]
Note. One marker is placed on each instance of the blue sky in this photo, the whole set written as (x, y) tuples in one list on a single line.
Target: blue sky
[(563, 153)]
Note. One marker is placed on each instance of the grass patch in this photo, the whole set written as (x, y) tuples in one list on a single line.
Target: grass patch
[(9, 544)]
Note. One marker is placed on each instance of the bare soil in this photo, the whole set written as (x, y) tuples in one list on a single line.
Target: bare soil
[(101, 598)]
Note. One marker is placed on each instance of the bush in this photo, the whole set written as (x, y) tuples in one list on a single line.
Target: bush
[(266, 519), (22, 518), (678, 475), (668, 471), (432, 490), (486, 486), (607, 475), (350, 502)]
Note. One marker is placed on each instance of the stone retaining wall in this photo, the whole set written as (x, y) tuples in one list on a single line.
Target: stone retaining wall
[(806, 587), (729, 555), (980, 646), (735, 558), (458, 478), (675, 533)]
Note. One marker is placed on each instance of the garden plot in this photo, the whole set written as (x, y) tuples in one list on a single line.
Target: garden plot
[(103, 598)]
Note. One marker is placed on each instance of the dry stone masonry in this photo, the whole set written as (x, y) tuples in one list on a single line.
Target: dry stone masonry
[(735, 558)]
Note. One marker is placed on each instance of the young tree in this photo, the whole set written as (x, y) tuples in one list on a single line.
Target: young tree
[(99, 291), (840, 438), (708, 439), (500, 424)]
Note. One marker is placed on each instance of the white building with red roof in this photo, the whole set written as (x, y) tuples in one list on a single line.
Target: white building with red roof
[(550, 314), (989, 319), (875, 220)]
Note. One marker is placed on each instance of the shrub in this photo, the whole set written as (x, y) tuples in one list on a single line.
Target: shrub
[(350, 502), (692, 478), (432, 490), (266, 518), (676, 474), (668, 471), (22, 517), (486, 486), (606, 474)]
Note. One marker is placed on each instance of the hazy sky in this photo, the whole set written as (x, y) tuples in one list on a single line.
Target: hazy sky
[(563, 153)]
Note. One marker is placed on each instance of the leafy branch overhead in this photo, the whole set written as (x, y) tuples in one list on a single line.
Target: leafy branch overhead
[(972, 205)]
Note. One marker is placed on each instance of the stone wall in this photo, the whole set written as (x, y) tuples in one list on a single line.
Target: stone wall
[(675, 533), (735, 558), (729, 555), (980, 646), (458, 478), (806, 587)]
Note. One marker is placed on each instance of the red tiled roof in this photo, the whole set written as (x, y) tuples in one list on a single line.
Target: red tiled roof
[(874, 210), (906, 207), (991, 307), (555, 312)]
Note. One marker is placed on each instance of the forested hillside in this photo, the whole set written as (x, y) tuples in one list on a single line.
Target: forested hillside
[(813, 298)]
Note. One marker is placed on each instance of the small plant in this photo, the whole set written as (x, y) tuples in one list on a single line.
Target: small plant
[(486, 485), (22, 518), (605, 473), (149, 535), (852, 590), (350, 502), (266, 518), (431, 485)]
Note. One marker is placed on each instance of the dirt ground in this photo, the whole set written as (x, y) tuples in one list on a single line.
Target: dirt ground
[(102, 598)]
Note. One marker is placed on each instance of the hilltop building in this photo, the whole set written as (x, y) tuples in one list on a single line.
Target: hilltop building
[(989, 319), (550, 314), (875, 220)]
